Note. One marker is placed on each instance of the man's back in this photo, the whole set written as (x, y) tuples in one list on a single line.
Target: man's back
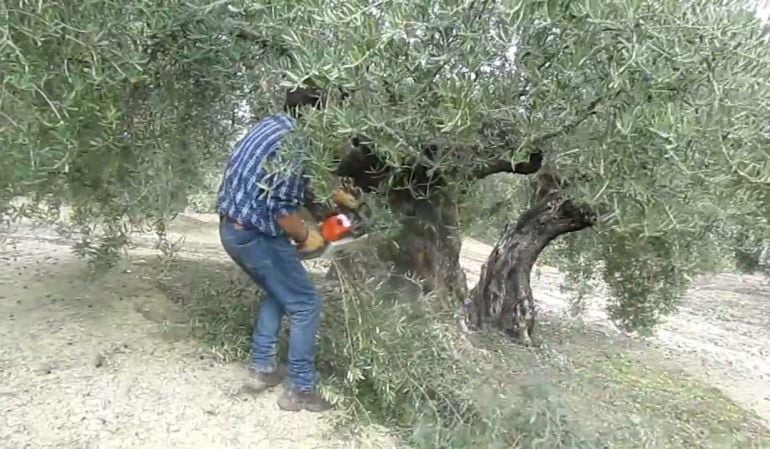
[(251, 192)]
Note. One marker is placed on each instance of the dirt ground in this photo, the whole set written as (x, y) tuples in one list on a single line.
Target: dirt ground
[(97, 365), (720, 335), (103, 363)]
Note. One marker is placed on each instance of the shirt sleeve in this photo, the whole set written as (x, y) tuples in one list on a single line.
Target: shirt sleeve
[(288, 193)]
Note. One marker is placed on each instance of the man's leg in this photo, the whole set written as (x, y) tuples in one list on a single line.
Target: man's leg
[(264, 340), (304, 315), (266, 372), (247, 249), (294, 289)]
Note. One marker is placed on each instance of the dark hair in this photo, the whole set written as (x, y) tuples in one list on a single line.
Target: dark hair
[(302, 96)]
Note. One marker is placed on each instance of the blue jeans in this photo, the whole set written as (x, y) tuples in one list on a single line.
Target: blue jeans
[(273, 264)]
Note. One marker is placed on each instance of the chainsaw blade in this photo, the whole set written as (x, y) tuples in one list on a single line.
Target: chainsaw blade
[(343, 245)]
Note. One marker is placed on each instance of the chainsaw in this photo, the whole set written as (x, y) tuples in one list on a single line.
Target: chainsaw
[(341, 232)]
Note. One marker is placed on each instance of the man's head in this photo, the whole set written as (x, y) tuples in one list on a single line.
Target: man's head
[(300, 97)]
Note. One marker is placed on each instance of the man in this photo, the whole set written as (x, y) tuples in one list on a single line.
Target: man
[(260, 196)]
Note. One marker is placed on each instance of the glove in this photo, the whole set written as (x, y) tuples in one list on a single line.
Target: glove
[(313, 243), (345, 199)]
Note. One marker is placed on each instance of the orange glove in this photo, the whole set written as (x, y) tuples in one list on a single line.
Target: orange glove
[(344, 199), (314, 242)]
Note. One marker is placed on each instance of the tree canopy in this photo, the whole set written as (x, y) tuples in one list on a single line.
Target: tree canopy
[(656, 114)]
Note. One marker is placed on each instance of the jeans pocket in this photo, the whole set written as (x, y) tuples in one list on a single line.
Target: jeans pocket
[(247, 248), (284, 248)]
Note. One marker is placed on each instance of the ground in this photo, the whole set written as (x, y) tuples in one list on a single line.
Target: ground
[(721, 335), (108, 361)]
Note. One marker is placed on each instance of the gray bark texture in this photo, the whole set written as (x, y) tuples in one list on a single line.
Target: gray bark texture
[(503, 296)]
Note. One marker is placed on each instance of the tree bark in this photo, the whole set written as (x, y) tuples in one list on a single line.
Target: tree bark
[(503, 297), (428, 244), (426, 249)]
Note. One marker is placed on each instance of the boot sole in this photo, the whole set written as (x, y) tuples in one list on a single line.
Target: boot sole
[(256, 386), (301, 407), (250, 388)]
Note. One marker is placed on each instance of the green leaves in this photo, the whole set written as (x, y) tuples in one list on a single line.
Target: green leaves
[(113, 104), (657, 112)]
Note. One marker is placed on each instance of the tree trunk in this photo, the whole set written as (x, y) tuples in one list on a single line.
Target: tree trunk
[(426, 248), (503, 296), (428, 245)]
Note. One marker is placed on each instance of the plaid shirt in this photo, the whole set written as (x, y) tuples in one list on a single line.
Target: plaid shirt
[(260, 182)]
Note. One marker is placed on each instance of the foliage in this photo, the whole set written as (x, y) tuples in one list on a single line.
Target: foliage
[(385, 360), (752, 253), (397, 358), (656, 112), (115, 108)]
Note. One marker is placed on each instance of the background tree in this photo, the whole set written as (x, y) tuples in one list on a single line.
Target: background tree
[(649, 120), (117, 108)]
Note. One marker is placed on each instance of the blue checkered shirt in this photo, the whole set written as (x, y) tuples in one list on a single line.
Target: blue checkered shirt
[(260, 181)]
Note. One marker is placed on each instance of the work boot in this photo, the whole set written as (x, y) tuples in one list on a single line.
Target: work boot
[(293, 400), (259, 382)]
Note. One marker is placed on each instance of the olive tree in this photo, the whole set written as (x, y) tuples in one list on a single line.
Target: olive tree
[(117, 108), (646, 121)]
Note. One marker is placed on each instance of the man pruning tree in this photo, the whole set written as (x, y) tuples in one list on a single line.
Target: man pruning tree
[(259, 199)]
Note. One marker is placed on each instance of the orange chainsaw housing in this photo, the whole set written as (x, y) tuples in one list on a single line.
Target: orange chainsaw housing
[(336, 227)]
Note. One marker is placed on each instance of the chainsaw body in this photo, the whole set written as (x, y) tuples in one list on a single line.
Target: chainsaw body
[(340, 231), (337, 227)]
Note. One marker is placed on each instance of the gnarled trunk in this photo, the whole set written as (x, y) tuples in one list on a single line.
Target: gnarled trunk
[(503, 296), (427, 248), (428, 245)]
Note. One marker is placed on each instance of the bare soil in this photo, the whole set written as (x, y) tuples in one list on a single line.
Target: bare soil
[(103, 362), (720, 335)]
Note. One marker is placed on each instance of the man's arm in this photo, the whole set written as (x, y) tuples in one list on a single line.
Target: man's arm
[(289, 197)]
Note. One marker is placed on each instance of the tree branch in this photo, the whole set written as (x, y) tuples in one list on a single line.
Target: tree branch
[(241, 31), (536, 157), (569, 127), (318, 209), (528, 167)]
